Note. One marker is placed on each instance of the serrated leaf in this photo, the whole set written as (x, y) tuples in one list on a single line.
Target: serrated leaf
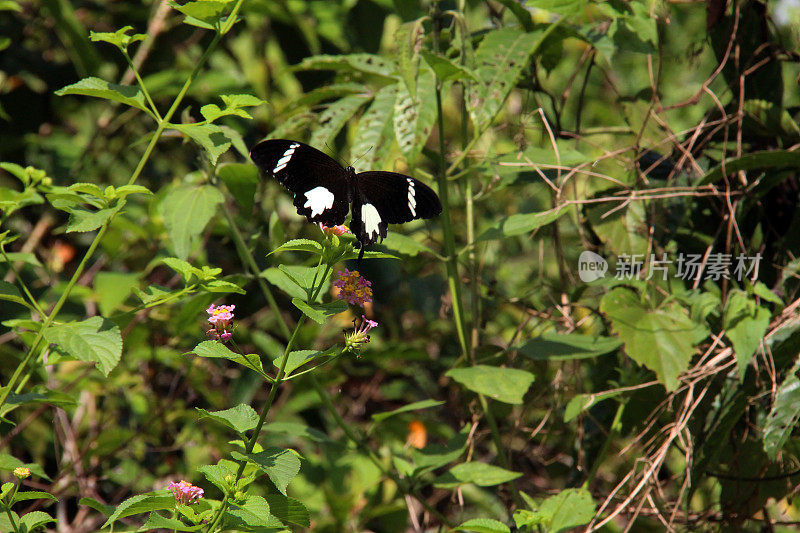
[(320, 312), (142, 503), (10, 293), (365, 63), (499, 60), (153, 293), (404, 245), (82, 220), (186, 211), (333, 119), (371, 140), (33, 495), (660, 339), (297, 359), (279, 464), (95, 340), (568, 509), (239, 418), (521, 223), (298, 245), (119, 38), (213, 138), (253, 513), (35, 519), (220, 475), (210, 12), (156, 521), (745, 325), (212, 112), (288, 510), (184, 268), (482, 474), (414, 116), (241, 180), (507, 385), (423, 404), (101, 508), (112, 288), (215, 349), (785, 413), (220, 286), (483, 525), (124, 94), (582, 402)]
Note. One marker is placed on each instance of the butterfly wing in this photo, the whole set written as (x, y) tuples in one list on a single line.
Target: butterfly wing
[(318, 182), (389, 198)]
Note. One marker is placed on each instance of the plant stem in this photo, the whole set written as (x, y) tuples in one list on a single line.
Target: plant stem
[(616, 425), (247, 258), (401, 483), (447, 227)]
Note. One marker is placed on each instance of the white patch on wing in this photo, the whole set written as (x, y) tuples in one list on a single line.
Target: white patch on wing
[(318, 200), (285, 158), (412, 200), (371, 219)]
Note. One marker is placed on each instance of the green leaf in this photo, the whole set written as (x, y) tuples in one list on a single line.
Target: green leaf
[(220, 475), (299, 245), (83, 220), (564, 346), (288, 510), (507, 385), (119, 38), (9, 462), (213, 138), (25, 257), (33, 495), (10, 293), (582, 402), (753, 160), (624, 231), (414, 116), (482, 474), (404, 245), (11, 200), (253, 513), (215, 349), (423, 404), (219, 286), (561, 7), (186, 211), (34, 519), (333, 119), (372, 138), (437, 455), (184, 268), (239, 418), (101, 508), (38, 395), (207, 12), (745, 325), (408, 39), (279, 464), (95, 340), (521, 223), (124, 94), (483, 525), (660, 339), (499, 60), (568, 509), (785, 413), (320, 312), (156, 521), (364, 63), (297, 430), (112, 288), (297, 359), (142, 503), (447, 70), (241, 180), (212, 112)]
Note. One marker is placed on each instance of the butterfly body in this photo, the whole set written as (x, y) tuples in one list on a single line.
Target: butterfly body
[(325, 192)]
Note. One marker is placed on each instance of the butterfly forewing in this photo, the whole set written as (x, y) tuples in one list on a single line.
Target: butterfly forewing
[(389, 198), (318, 182)]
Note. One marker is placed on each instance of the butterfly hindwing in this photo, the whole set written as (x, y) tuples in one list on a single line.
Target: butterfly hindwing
[(318, 182), (389, 198)]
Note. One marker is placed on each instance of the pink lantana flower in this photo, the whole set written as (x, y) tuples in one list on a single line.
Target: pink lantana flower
[(359, 336), (185, 493), (339, 230), (220, 317), (353, 288)]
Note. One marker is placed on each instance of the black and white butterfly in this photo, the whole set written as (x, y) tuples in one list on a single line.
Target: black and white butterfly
[(324, 191)]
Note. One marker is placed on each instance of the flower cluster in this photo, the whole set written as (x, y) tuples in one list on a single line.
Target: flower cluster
[(185, 493), (359, 336), (22, 472), (339, 230), (220, 317), (353, 288)]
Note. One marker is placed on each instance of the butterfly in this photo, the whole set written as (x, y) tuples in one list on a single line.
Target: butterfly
[(324, 191)]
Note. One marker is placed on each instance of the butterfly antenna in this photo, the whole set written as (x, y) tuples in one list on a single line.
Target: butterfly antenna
[(362, 155)]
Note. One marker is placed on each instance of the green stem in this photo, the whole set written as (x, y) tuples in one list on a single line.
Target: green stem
[(22, 283), (247, 258), (447, 228), (498, 443), (616, 425), (141, 84), (401, 483)]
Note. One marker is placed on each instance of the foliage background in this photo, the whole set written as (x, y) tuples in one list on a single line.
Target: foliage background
[(625, 128)]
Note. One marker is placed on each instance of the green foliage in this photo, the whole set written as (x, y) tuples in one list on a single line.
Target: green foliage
[(659, 137)]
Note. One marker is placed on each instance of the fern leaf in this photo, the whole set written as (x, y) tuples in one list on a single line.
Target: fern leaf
[(414, 117), (371, 142), (333, 119)]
